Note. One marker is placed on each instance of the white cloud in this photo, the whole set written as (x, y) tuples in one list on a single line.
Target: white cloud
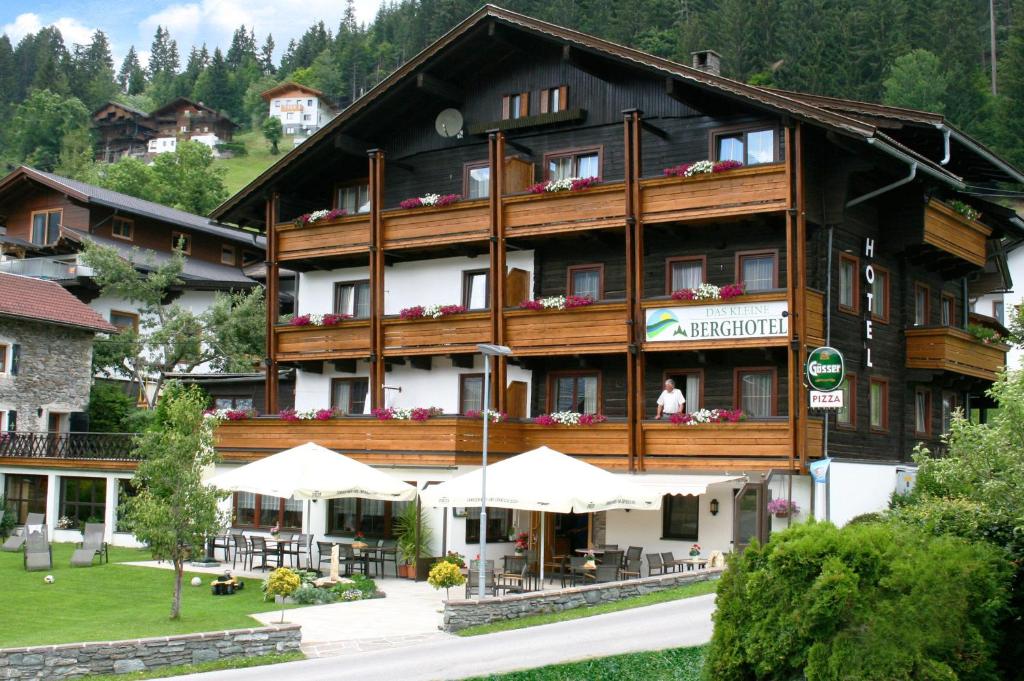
[(73, 30), (22, 25)]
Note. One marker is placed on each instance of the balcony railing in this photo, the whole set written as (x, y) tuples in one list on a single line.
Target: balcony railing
[(347, 339), (594, 328), (45, 268), (745, 444), (944, 348), (85, 446), (743, 191), (561, 212), (344, 236), (953, 233), (458, 222), (456, 333)]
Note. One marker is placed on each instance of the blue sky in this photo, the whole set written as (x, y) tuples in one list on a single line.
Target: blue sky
[(190, 21)]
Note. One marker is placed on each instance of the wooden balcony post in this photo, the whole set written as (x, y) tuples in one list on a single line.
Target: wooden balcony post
[(376, 276), (800, 279), (497, 250), (270, 382), (795, 285), (634, 287)]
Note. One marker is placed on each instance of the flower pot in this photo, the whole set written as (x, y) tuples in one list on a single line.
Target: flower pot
[(782, 514), (407, 571)]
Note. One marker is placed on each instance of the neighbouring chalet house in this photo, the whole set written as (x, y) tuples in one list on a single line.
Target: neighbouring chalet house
[(240, 392), (122, 131), (126, 131), (996, 301), (301, 109), (46, 339), (837, 222)]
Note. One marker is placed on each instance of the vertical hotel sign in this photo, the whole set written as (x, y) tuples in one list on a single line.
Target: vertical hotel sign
[(869, 279)]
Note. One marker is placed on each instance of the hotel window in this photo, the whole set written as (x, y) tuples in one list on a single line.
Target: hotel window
[(263, 511), (758, 270), (128, 321), (878, 404), (849, 288), (348, 395), (755, 392), (83, 500), (46, 226), (5, 359), (948, 407), (372, 517), (354, 198), (121, 228), (688, 381), (242, 402), (515, 106), (183, 241), (553, 100), (471, 392), (574, 163), (352, 298), (228, 255), (922, 411), (998, 310), (575, 392), (24, 494), (474, 289), (680, 515), (948, 309), (749, 147), (586, 280), (684, 273), (476, 180), (921, 305), (499, 524), (847, 416), (880, 296)]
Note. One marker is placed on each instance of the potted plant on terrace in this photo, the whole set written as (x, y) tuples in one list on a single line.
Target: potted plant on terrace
[(413, 539), (783, 508)]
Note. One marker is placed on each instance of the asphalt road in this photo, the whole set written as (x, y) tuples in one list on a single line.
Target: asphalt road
[(666, 625)]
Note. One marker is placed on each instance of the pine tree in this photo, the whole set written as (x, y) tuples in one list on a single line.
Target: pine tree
[(93, 67), (131, 77), (163, 67), (266, 56), (213, 87), (8, 76)]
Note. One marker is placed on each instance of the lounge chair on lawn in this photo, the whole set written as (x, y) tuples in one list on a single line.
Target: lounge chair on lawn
[(92, 544), (38, 555), (16, 541)]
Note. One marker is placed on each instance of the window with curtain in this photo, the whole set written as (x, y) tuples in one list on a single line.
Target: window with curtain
[(577, 163), (948, 305), (83, 499), (948, 407), (348, 395), (352, 298), (998, 310), (46, 227), (233, 402), (880, 296), (263, 511), (372, 517), (499, 524), (245, 509), (749, 147), (474, 289), (24, 494), (354, 198), (879, 405), (680, 517), (920, 305), (688, 382), (471, 392), (757, 271), (848, 283), (585, 280), (576, 392), (755, 392), (846, 417), (685, 273), (922, 411), (477, 180)]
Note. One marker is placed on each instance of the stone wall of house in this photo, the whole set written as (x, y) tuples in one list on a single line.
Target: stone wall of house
[(459, 614), (54, 371), (75, 660), (599, 528)]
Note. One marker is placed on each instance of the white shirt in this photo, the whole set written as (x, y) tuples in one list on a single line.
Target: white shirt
[(672, 402)]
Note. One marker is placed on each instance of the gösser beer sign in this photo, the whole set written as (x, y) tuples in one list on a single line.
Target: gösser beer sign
[(825, 373)]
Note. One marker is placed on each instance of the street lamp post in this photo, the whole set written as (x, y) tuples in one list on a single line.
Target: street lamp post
[(487, 350)]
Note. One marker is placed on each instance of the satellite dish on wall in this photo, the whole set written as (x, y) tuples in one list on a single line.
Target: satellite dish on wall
[(449, 123)]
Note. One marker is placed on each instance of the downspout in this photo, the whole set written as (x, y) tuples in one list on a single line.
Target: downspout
[(945, 144), (889, 187)]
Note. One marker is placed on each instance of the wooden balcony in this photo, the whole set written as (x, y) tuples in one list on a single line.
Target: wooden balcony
[(815, 321), (600, 207), (457, 333), (757, 189), (345, 236), (744, 445), (602, 444), (596, 328), (417, 227), (347, 339), (944, 348), (952, 233), (710, 324), (108, 451)]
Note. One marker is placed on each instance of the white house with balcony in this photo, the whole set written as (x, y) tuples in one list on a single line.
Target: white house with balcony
[(301, 109)]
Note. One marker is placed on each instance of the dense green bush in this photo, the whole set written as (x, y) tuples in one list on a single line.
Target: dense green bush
[(234, 148), (109, 407), (871, 601)]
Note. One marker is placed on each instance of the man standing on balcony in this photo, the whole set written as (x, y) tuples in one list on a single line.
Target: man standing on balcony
[(671, 400)]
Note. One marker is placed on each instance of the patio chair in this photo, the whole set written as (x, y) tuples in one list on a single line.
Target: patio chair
[(385, 554), (671, 562), (91, 546), (473, 579), (242, 550), (323, 552), (16, 541), (222, 540), (291, 547), (38, 554), (512, 580), (608, 572), (611, 558), (352, 562), (655, 562), (633, 553), (574, 570), (556, 567), (268, 558), (632, 569)]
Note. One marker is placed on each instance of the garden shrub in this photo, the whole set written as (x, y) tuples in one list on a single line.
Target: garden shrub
[(312, 595), (872, 601)]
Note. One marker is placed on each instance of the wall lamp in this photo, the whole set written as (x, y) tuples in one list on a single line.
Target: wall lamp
[(714, 507)]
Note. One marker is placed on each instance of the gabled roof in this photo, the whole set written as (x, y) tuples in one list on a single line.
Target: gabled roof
[(87, 193), (47, 301), (176, 103), (289, 86), (119, 105)]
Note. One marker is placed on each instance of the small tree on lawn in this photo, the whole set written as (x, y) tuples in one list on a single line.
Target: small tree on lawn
[(272, 131), (174, 511)]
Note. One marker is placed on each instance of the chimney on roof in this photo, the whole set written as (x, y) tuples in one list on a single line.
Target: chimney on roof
[(708, 61)]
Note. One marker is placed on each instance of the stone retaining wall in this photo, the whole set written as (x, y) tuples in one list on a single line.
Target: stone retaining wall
[(72, 660), (459, 614)]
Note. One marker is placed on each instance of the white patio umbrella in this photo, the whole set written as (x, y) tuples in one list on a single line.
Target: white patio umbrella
[(547, 481)]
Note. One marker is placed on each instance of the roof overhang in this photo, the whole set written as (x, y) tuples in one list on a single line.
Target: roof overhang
[(686, 485)]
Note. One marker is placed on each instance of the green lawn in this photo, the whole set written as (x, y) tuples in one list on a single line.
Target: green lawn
[(111, 602), (674, 594), (677, 664), (241, 170)]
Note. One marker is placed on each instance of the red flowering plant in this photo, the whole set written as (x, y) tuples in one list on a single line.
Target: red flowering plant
[(556, 303), (567, 184), (522, 541), (430, 200), (359, 534), (406, 414), (430, 311), (307, 414), (709, 292), (707, 416), (321, 216), (569, 418), (229, 414), (317, 319), (494, 416), (723, 166), (704, 167)]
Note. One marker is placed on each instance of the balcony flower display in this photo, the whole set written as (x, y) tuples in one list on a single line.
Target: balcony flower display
[(556, 303), (324, 215), (494, 416), (430, 200), (707, 416), (318, 319), (783, 508), (986, 335), (967, 211), (569, 418), (704, 167), (567, 184), (229, 414), (709, 292), (407, 413), (430, 311), (306, 414)]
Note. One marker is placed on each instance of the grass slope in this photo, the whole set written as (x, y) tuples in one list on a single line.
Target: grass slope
[(242, 170), (677, 664), (673, 594), (111, 602)]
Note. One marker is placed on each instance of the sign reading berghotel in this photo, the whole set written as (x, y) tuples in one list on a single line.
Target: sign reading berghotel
[(766, 319)]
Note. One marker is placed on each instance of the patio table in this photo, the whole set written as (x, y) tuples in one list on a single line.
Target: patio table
[(278, 546)]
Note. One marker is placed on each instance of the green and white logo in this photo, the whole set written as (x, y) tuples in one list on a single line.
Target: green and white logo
[(825, 369)]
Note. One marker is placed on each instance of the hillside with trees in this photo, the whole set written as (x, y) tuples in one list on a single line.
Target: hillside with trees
[(936, 55)]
